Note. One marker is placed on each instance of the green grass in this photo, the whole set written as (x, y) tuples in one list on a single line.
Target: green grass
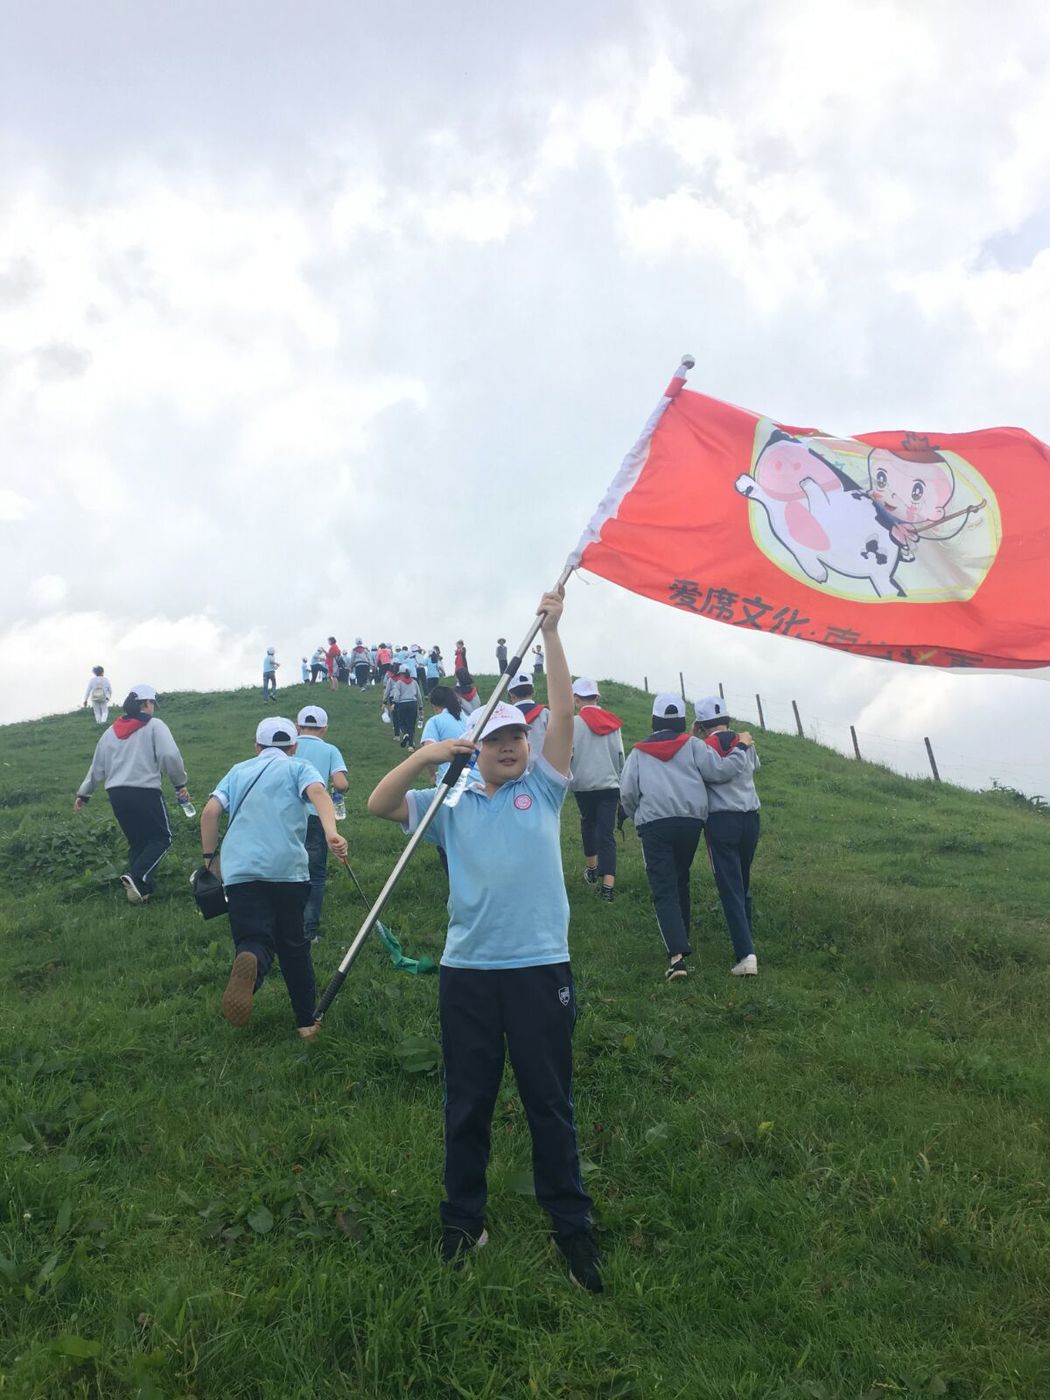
[(830, 1182)]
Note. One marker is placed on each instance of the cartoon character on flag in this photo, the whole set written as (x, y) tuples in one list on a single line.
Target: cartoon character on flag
[(819, 518)]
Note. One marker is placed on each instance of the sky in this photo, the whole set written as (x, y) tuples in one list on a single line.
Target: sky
[(324, 317)]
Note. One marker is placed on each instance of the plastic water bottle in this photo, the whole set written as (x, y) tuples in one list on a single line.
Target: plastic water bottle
[(339, 803), (188, 809), (457, 789)]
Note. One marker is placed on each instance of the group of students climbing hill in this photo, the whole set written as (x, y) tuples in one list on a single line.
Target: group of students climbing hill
[(674, 787), (505, 982)]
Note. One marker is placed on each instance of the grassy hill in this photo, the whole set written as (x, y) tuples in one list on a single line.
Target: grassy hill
[(829, 1182)]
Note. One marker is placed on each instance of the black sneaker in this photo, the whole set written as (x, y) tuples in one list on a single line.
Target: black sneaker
[(608, 893), (591, 875), (676, 969), (580, 1252), (457, 1244)]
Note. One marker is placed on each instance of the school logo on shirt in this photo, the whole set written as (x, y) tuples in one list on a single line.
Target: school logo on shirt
[(523, 802), (564, 995)]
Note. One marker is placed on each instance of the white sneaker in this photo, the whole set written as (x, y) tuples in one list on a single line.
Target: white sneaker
[(746, 967), (134, 894)]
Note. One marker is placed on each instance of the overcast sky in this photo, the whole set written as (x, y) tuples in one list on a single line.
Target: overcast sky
[(339, 317)]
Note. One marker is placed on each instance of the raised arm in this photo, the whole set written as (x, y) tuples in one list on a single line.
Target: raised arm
[(557, 744)]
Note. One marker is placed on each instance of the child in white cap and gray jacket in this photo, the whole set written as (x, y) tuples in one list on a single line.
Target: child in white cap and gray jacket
[(597, 758), (731, 831), (662, 788)]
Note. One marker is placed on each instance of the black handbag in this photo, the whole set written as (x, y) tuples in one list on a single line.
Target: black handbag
[(208, 889), (209, 893)]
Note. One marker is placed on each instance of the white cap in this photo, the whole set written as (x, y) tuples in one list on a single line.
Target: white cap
[(269, 651), (521, 679), (358, 642), (143, 692), (667, 705), (712, 708), (275, 732), (312, 716), (405, 669), (502, 717), (584, 686)]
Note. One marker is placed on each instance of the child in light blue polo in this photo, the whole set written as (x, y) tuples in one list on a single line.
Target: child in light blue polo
[(505, 980), (264, 868), (268, 840), (312, 724), (447, 722)]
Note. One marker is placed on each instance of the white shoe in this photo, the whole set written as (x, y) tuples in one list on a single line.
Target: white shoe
[(134, 894), (746, 967)]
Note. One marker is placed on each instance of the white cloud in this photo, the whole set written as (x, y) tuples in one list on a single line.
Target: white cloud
[(48, 590), (14, 506)]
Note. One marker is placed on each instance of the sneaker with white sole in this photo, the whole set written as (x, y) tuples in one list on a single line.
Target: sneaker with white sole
[(457, 1244), (134, 894), (746, 967), (240, 989), (675, 970), (591, 875)]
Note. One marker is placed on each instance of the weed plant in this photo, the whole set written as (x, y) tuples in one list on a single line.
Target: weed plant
[(830, 1183)]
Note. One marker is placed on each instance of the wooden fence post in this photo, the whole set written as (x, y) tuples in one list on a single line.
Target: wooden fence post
[(721, 692), (798, 722), (761, 716), (681, 682), (933, 761), (645, 682), (853, 736)]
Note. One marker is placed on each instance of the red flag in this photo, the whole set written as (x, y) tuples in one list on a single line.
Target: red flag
[(926, 548)]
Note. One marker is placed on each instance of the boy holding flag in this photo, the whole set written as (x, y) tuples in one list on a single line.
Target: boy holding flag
[(505, 975)]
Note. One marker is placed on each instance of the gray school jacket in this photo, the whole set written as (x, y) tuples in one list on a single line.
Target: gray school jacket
[(402, 694), (665, 776), (139, 761), (738, 794), (596, 758), (537, 727)]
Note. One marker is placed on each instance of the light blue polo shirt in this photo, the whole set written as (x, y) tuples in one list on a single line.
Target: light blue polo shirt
[(265, 838), (442, 726), (507, 905), (324, 756)]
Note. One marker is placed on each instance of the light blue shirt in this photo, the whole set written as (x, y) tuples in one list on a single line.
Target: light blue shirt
[(269, 663), (507, 904), (325, 757), (442, 726), (305, 669), (433, 670), (265, 838)]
